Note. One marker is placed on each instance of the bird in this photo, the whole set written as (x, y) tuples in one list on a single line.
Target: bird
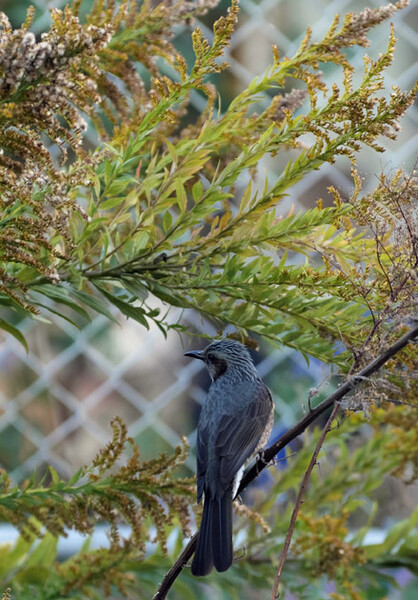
[(235, 422)]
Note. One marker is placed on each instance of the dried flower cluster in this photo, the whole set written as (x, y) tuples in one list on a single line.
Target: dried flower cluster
[(43, 87), (387, 279), (38, 77), (46, 88), (141, 35), (287, 104), (323, 541), (403, 420), (111, 491), (357, 26)]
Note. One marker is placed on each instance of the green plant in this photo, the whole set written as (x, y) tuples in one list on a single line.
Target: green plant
[(154, 212), (158, 214)]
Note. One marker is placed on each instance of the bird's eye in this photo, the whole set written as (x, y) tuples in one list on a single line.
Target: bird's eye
[(210, 357)]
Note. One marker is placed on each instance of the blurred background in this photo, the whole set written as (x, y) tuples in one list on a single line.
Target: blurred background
[(56, 402)]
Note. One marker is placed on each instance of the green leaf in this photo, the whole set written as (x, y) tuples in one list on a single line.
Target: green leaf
[(35, 575), (112, 202), (167, 296), (197, 191), (132, 312), (246, 198), (44, 553), (94, 303), (54, 475), (139, 241), (108, 171), (181, 195), (76, 477), (12, 557), (135, 287), (172, 151), (61, 295), (167, 221), (58, 313), (15, 333)]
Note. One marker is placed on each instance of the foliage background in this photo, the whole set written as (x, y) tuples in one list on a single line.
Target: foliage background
[(57, 402)]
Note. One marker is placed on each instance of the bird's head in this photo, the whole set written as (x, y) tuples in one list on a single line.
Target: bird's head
[(226, 357)]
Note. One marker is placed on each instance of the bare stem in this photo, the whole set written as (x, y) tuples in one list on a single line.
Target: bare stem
[(300, 498)]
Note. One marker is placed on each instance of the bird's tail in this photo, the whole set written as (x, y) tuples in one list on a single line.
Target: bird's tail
[(214, 544)]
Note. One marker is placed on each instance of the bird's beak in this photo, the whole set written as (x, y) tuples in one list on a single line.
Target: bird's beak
[(195, 354)]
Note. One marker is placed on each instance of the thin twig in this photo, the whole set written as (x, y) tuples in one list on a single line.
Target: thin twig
[(299, 500), (267, 456)]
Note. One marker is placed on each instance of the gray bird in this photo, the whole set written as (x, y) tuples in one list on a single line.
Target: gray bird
[(234, 423)]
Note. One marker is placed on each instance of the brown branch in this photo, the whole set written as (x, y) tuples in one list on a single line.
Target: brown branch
[(299, 498), (352, 382), (172, 574)]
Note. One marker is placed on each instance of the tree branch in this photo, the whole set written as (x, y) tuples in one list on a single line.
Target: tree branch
[(351, 383)]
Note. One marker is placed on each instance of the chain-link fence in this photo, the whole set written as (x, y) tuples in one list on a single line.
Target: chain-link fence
[(57, 401)]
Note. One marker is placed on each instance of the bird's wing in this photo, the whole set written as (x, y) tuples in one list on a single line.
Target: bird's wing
[(201, 459), (240, 433)]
